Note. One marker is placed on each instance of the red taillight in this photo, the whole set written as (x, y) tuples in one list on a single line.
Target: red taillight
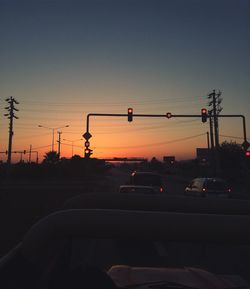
[(161, 189)]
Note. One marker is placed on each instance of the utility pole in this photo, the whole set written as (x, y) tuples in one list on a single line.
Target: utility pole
[(216, 109), (59, 143), (214, 112), (11, 115), (211, 131), (208, 141), (30, 154)]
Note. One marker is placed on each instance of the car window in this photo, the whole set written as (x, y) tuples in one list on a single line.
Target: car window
[(195, 184), (216, 185), (146, 179), (141, 190)]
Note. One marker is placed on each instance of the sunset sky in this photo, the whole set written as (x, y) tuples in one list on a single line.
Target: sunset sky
[(64, 59)]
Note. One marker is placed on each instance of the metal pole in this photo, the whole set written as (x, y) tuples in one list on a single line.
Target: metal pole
[(59, 143), (211, 131), (10, 140), (244, 127), (211, 117), (208, 141), (216, 135), (30, 154), (243, 123), (52, 148)]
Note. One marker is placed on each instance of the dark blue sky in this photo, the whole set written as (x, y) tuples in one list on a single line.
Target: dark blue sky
[(140, 52)]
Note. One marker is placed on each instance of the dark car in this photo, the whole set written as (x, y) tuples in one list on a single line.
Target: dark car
[(208, 187), (148, 179)]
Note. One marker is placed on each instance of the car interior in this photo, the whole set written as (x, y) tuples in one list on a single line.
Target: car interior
[(104, 242)]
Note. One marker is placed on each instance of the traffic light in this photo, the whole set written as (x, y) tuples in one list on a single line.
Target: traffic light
[(204, 115), (247, 154), (130, 114), (87, 144), (88, 153)]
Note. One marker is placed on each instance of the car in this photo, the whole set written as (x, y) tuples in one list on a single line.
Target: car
[(137, 189), (148, 179), (113, 248), (208, 187)]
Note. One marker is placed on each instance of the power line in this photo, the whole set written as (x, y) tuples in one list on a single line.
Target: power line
[(142, 101), (165, 127), (155, 144), (41, 147), (236, 137)]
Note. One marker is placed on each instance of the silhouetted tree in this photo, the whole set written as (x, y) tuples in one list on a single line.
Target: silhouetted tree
[(76, 158), (51, 157), (231, 154), (232, 159)]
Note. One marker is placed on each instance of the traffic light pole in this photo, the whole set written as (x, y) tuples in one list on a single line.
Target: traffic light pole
[(168, 115), (136, 115), (243, 122)]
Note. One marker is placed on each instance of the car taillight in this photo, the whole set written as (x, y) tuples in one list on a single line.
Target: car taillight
[(161, 189)]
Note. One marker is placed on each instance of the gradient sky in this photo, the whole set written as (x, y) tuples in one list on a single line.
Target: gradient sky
[(64, 59)]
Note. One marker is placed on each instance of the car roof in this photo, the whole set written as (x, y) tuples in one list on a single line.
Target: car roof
[(210, 179), (136, 186), (145, 173)]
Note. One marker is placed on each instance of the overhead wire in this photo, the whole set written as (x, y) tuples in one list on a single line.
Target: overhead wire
[(154, 144)]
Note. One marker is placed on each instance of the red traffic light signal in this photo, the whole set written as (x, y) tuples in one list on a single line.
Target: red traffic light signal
[(130, 114), (247, 154), (204, 115), (87, 144)]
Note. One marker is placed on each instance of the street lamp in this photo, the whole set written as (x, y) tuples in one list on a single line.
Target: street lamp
[(53, 133), (72, 144)]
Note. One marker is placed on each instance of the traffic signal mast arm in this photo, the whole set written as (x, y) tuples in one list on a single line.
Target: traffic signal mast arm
[(169, 115), (137, 115)]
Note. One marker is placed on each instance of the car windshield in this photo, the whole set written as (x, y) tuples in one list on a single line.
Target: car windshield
[(146, 179), (139, 189)]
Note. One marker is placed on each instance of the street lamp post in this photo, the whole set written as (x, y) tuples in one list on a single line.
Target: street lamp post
[(53, 133), (72, 144)]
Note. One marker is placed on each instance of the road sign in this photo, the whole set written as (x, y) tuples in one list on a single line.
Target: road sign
[(87, 135), (245, 145)]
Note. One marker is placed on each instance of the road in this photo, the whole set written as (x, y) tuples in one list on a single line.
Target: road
[(175, 184), (23, 202)]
